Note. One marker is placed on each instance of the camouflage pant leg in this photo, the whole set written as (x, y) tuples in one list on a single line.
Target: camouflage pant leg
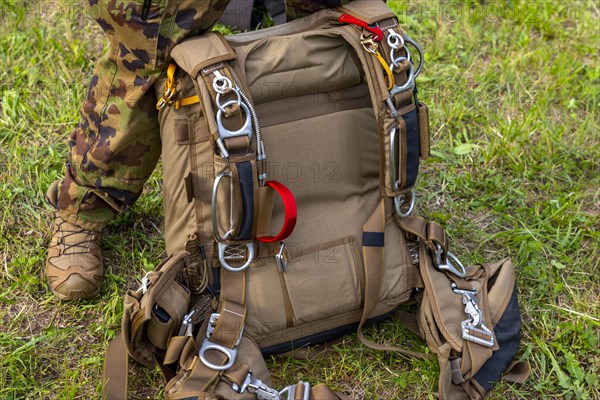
[(116, 146)]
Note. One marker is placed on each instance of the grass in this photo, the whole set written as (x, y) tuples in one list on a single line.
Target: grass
[(513, 89)]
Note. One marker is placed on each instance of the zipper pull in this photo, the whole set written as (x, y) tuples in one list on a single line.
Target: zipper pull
[(374, 29)]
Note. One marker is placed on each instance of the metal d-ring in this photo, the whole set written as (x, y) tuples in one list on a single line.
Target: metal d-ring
[(222, 249), (231, 355), (448, 265), (207, 345), (399, 202)]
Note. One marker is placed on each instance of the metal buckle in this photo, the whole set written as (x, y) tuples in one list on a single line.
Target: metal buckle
[(473, 329), (291, 391), (245, 130), (255, 386), (449, 266), (397, 60), (264, 392), (223, 85), (408, 85), (231, 354), (280, 259), (369, 43)]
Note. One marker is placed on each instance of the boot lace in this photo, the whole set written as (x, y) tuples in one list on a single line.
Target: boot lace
[(78, 245)]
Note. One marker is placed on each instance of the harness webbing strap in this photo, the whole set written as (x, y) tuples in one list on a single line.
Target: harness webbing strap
[(116, 366), (430, 232), (322, 392), (187, 101), (373, 262)]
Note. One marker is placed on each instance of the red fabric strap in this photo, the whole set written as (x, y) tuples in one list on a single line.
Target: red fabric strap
[(290, 209)]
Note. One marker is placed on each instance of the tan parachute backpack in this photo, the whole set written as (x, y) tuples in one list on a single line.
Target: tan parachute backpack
[(290, 157)]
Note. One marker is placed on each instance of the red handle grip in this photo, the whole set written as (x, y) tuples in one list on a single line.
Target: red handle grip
[(290, 210), (374, 29)]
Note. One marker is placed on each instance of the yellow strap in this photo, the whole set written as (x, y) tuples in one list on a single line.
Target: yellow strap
[(387, 69), (188, 101), (171, 76)]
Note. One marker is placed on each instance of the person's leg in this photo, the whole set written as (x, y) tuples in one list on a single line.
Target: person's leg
[(116, 146)]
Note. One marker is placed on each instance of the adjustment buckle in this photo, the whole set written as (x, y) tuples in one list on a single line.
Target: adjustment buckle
[(448, 265), (290, 391), (257, 387), (231, 354)]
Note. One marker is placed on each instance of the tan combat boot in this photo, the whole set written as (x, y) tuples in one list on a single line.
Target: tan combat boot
[(74, 265)]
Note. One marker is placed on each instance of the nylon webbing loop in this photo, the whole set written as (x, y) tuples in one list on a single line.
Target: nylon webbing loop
[(290, 212), (374, 262)]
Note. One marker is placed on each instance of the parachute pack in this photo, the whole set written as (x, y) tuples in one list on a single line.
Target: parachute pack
[(290, 157)]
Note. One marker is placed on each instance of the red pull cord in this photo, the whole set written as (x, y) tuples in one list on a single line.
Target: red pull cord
[(374, 29), (290, 210)]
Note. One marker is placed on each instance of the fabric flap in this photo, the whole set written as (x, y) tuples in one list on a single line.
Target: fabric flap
[(369, 11), (198, 52)]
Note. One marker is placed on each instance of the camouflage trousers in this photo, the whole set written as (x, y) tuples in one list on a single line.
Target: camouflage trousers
[(116, 146)]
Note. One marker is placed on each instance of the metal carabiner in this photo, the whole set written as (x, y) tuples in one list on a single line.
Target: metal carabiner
[(393, 173), (215, 220), (369, 43)]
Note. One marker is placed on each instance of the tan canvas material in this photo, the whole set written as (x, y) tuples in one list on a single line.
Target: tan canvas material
[(317, 94)]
